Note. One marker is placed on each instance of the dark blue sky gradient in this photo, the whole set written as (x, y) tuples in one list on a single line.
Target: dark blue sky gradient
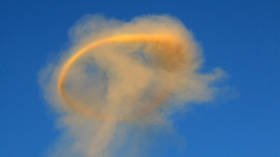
[(242, 37)]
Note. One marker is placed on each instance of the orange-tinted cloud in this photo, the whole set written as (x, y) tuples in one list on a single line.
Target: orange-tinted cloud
[(124, 72)]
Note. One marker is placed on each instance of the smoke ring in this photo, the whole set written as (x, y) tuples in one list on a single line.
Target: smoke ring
[(122, 39)]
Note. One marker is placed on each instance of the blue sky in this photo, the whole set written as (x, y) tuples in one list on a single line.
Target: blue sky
[(242, 37)]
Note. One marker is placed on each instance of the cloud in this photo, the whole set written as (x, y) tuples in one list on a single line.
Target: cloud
[(121, 76)]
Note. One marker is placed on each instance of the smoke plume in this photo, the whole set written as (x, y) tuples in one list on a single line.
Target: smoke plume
[(119, 76)]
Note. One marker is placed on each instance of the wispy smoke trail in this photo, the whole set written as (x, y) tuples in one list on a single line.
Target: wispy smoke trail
[(118, 73)]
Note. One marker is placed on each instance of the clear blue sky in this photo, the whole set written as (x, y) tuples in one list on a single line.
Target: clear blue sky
[(241, 36)]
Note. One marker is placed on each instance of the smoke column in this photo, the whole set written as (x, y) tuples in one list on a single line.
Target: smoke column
[(118, 74)]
